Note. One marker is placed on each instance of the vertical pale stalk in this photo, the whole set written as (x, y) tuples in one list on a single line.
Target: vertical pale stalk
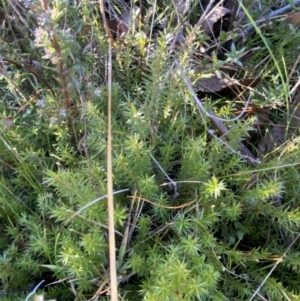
[(111, 229), (110, 199)]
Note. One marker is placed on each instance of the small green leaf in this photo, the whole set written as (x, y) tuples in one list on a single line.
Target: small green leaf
[(240, 235), (214, 187)]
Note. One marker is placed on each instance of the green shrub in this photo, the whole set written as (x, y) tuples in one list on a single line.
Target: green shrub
[(190, 222)]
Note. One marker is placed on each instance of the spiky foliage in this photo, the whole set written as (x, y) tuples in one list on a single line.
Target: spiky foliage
[(194, 220)]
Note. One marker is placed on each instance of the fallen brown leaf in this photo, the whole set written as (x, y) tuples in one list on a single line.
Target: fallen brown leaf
[(216, 84), (117, 27), (217, 13), (294, 18)]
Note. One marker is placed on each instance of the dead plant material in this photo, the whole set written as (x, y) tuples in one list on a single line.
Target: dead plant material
[(216, 84), (117, 28), (262, 111), (217, 14), (294, 18), (280, 11), (284, 130)]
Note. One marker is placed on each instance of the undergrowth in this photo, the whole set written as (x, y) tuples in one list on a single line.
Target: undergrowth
[(194, 217)]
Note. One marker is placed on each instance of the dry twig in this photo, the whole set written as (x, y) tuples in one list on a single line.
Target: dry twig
[(110, 199)]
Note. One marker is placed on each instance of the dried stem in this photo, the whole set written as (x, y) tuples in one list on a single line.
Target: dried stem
[(110, 199)]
